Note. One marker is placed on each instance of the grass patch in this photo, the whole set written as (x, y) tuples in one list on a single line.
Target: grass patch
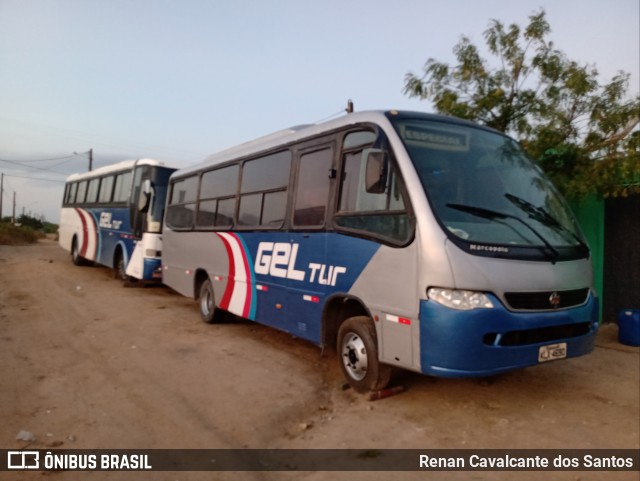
[(12, 235)]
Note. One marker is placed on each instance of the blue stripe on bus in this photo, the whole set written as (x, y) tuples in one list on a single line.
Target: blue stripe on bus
[(297, 272)]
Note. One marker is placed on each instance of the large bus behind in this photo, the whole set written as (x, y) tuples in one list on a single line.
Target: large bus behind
[(113, 216), (403, 239)]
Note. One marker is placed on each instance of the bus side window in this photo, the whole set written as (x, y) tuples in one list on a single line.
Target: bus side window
[(122, 187), (381, 213), (218, 197), (71, 193), (92, 192), (106, 190), (263, 191), (82, 192), (182, 204)]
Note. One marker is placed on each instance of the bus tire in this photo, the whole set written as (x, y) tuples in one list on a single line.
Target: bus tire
[(358, 353), (76, 258), (206, 300), (120, 270)]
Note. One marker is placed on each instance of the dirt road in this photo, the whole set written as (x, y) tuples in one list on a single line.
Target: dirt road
[(86, 363)]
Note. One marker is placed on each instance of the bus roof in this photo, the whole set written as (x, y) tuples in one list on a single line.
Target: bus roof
[(119, 166), (300, 132)]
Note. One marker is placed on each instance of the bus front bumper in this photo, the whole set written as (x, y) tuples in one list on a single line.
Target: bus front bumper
[(152, 269), (485, 342)]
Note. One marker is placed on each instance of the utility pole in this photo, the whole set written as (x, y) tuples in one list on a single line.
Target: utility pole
[(1, 193), (90, 157), (13, 217)]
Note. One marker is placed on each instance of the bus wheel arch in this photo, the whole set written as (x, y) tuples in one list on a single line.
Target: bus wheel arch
[(358, 355), (198, 279), (336, 310)]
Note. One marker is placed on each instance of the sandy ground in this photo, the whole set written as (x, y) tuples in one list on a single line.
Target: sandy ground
[(86, 363)]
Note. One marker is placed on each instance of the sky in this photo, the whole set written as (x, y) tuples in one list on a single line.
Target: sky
[(178, 80)]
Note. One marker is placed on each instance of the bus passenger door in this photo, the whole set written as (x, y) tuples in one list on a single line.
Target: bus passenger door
[(310, 284)]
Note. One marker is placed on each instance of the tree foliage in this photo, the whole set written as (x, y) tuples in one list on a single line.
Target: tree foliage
[(32, 222), (582, 132)]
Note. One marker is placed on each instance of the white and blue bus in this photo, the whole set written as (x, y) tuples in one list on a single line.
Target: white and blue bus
[(113, 216), (403, 239)]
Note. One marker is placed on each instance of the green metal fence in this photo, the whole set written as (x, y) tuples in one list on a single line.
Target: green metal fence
[(590, 213)]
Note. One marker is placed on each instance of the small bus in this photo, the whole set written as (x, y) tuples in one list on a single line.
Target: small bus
[(403, 239), (113, 216)]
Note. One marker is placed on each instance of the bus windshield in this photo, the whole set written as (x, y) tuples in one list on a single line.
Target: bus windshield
[(487, 194), (159, 181)]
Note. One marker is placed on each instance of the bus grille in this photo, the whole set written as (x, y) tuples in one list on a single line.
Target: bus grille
[(547, 300), (536, 336)]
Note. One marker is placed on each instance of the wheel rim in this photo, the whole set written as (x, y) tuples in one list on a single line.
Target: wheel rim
[(354, 356)]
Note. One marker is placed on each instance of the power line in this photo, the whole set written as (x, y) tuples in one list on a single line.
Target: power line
[(34, 178), (339, 112), (39, 160), (63, 162), (31, 166)]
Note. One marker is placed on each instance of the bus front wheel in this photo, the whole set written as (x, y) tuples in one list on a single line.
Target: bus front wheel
[(120, 270), (358, 352)]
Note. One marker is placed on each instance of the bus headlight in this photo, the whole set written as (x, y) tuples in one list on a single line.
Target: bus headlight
[(458, 299)]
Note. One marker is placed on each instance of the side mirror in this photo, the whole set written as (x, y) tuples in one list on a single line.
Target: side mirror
[(376, 171), (145, 196)]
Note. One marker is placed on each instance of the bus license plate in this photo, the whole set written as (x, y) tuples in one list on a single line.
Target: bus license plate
[(552, 352)]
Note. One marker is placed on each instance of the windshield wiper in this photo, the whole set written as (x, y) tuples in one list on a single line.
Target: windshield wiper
[(541, 215), (494, 214)]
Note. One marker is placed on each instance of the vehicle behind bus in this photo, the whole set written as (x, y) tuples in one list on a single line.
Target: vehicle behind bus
[(113, 216), (401, 239)]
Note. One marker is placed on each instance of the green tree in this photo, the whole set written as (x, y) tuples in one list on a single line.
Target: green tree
[(582, 132), (32, 222)]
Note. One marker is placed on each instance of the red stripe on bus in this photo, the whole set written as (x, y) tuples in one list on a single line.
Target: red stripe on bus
[(226, 298), (246, 309), (83, 246), (93, 232)]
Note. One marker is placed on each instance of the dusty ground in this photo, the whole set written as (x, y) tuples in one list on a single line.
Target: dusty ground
[(86, 363)]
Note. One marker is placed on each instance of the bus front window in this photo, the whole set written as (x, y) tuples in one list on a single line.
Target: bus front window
[(487, 193)]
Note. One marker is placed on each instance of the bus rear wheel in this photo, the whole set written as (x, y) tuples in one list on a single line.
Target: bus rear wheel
[(76, 258), (206, 299), (358, 353)]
